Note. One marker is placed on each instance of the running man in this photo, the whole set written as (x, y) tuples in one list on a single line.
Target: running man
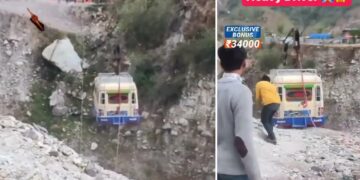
[(267, 94)]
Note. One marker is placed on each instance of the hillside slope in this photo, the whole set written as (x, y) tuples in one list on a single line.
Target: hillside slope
[(28, 152), (175, 140)]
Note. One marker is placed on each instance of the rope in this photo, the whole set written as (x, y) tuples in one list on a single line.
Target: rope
[(81, 111), (303, 87), (82, 93), (118, 131), (52, 52)]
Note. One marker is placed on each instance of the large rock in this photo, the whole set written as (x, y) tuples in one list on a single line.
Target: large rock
[(62, 54), (33, 134), (91, 169), (57, 101), (59, 110), (57, 98)]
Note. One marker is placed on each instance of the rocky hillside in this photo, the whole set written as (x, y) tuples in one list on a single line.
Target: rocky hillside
[(171, 64), (339, 68), (28, 152)]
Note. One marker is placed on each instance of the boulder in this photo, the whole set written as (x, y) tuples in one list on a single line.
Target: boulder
[(33, 134), (8, 52), (166, 126), (93, 146), (54, 153), (183, 122), (145, 114), (62, 54), (8, 121), (28, 113), (91, 170), (57, 98), (67, 151), (59, 110)]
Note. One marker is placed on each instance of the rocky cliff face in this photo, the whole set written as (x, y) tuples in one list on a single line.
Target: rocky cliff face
[(339, 68), (190, 129), (28, 152), (15, 79)]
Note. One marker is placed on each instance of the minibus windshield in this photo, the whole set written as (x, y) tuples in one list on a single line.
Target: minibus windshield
[(114, 98), (297, 94)]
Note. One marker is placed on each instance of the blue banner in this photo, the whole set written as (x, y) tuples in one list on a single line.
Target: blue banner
[(242, 31)]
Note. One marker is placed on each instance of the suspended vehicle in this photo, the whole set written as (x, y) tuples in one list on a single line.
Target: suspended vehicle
[(301, 94), (115, 99)]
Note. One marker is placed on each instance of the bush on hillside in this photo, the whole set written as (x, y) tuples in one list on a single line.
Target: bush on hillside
[(145, 24), (268, 59), (145, 75), (309, 64), (197, 54)]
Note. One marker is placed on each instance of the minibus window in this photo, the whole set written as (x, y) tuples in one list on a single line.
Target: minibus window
[(318, 93), (114, 98), (280, 92), (297, 94), (133, 100), (102, 98)]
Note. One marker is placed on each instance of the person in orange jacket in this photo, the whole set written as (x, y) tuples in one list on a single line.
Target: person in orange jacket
[(267, 94)]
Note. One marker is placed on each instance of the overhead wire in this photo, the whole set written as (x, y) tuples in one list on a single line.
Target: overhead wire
[(119, 113), (299, 60)]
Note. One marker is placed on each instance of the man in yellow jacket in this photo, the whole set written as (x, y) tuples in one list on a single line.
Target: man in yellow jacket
[(267, 94)]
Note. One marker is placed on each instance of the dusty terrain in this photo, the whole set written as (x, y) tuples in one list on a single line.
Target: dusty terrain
[(174, 142), (28, 152), (312, 153)]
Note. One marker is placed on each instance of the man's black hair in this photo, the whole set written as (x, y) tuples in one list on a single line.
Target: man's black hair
[(232, 58), (265, 78)]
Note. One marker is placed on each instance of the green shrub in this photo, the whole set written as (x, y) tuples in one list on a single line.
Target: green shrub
[(280, 28), (163, 84), (154, 85), (145, 72), (170, 92), (268, 59), (196, 55), (145, 24), (40, 108), (309, 64), (67, 78)]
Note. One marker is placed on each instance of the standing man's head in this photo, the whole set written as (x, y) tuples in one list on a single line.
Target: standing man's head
[(233, 59), (265, 78)]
